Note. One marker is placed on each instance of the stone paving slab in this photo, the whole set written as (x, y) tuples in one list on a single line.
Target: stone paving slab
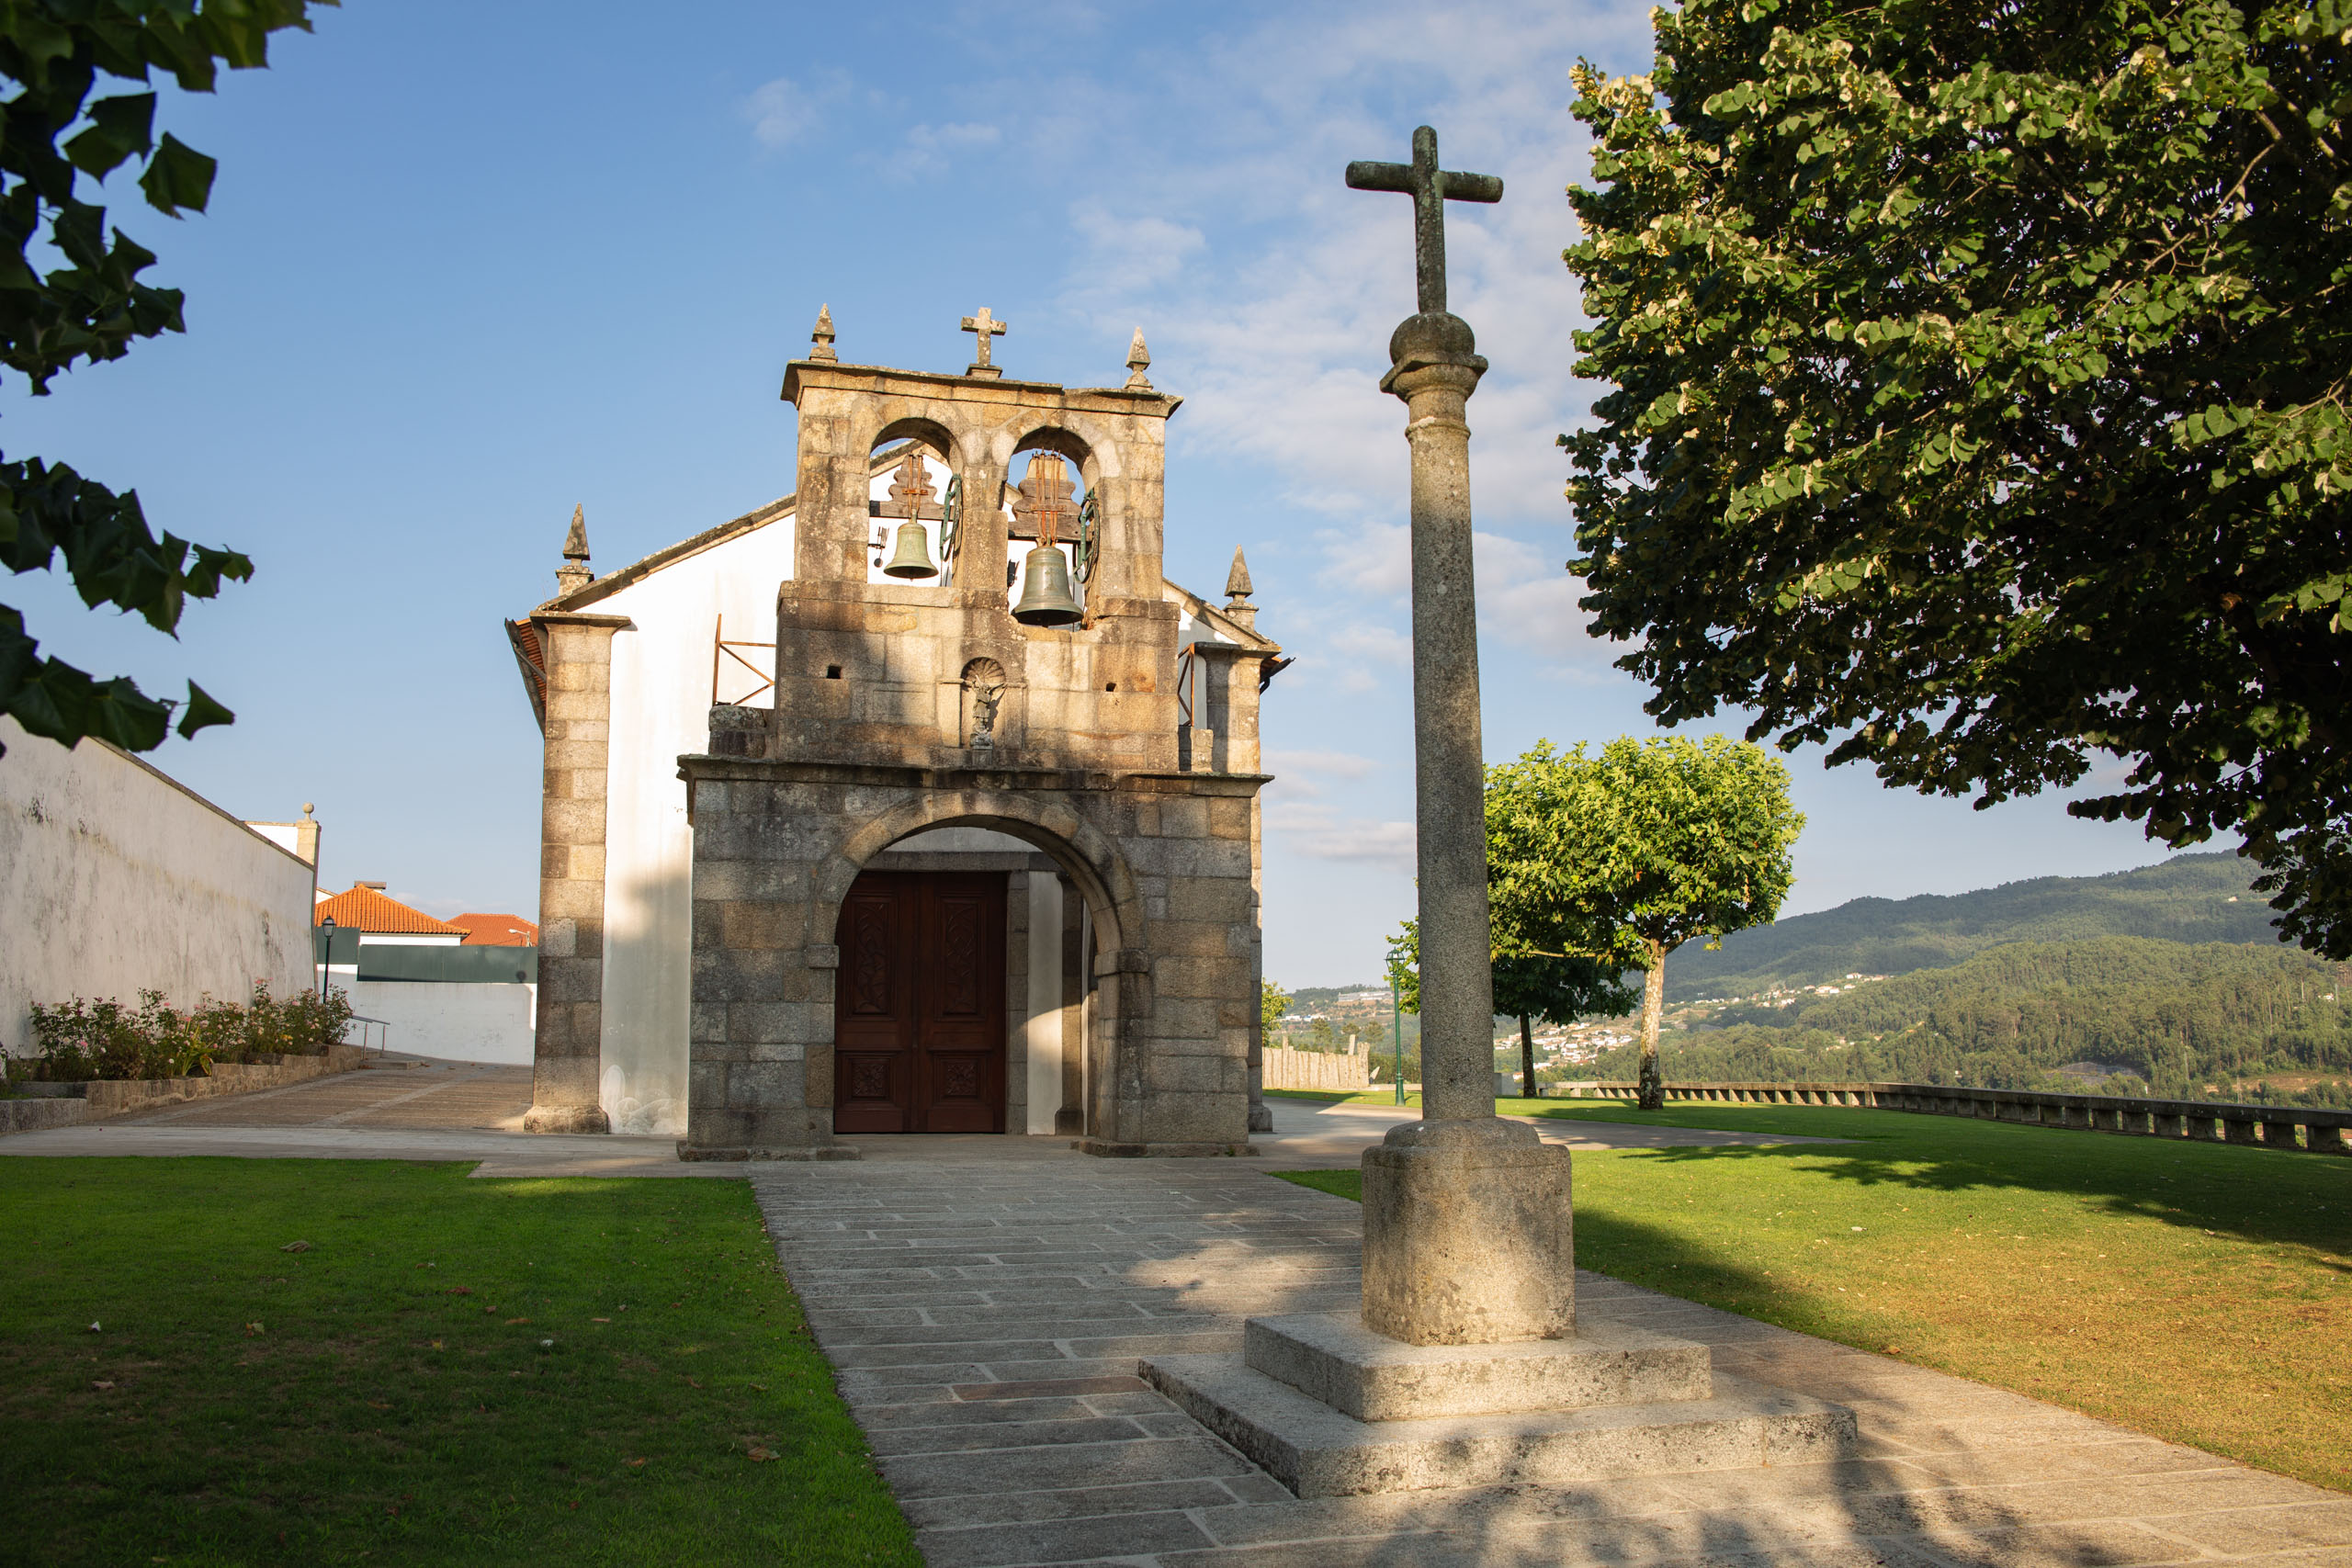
[(963, 1289), (404, 1109)]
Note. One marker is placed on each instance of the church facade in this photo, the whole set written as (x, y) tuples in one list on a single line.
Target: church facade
[(918, 801)]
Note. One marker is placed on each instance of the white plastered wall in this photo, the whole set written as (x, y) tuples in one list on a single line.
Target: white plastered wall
[(114, 879), (660, 710), (1042, 1037), (455, 1020)]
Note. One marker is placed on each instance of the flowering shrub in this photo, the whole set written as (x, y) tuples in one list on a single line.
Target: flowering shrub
[(83, 1039)]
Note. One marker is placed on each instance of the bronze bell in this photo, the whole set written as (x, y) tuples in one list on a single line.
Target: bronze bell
[(913, 556), (1045, 590)]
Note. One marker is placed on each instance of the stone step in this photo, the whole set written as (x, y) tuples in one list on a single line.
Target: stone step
[(1333, 1357), (1318, 1451)]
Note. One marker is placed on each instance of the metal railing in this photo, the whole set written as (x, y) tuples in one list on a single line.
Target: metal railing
[(2265, 1126)]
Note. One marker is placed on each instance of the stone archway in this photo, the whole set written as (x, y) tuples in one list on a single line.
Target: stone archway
[(1049, 896)]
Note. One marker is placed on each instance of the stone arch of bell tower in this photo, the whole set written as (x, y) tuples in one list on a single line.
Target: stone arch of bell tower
[(874, 735)]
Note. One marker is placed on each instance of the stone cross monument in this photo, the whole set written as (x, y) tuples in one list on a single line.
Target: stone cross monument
[(1466, 1224), (1467, 1366)]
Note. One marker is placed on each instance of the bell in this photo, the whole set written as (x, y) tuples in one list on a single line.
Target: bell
[(1045, 590), (913, 556)]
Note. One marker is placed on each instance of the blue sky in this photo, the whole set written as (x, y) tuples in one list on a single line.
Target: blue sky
[(468, 266)]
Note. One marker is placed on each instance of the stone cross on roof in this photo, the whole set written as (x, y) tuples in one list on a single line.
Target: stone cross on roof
[(911, 491), (1430, 188), (1045, 504), (986, 327)]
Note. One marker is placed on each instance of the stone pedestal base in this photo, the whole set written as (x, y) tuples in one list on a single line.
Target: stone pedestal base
[(566, 1118), (1333, 1357), (1318, 1451), (1467, 1235)]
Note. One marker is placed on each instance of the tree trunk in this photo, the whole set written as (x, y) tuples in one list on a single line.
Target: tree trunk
[(1526, 1058), (1652, 1090)]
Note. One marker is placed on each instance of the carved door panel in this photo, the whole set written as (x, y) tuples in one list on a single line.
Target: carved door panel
[(959, 1017), (874, 1010), (918, 1004)]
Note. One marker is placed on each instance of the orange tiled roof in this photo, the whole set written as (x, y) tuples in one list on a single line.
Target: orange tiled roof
[(365, 909), (496, 930)]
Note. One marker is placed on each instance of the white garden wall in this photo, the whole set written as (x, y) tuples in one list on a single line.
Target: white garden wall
[(115, 878)]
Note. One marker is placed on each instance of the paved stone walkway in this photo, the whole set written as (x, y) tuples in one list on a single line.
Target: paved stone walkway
[(985, 1301), (424, 1110)]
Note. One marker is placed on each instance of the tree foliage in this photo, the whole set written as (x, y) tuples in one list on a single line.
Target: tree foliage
[(1980, 376), (1273, 1002), (70, 293), (1625, 855)]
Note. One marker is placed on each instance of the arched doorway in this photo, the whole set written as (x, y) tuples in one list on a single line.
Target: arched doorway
[(966, 999)]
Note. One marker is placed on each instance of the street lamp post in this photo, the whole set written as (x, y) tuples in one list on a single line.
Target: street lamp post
[(1396, 1041), (326, 953)]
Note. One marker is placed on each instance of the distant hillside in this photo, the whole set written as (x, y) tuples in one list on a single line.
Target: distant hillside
[(2178, 1016), (2186, 900)]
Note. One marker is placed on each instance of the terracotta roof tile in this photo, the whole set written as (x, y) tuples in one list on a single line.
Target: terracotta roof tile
[(365, 909), (496, 930)]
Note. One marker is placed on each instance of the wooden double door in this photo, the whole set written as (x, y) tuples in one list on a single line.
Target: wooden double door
[(919, 1025)]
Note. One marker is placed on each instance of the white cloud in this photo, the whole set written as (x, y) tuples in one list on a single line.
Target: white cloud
[(1282, 343), (1307, 829), (929, 149), (781, 110), (1329, 764), (1527, 597), (1369, 557), (1129, 257)]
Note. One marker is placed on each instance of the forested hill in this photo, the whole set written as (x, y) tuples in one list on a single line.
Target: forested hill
[(2187, 1019), (2186, 899)]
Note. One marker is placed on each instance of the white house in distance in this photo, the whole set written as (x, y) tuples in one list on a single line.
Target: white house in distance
[(439, 993)]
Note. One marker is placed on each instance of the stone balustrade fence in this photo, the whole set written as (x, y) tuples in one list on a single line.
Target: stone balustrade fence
[(2263, 1126)]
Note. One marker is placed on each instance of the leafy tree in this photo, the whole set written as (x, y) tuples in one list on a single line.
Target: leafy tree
[(1532, 987), (1541, 968), (1553, 991), (1626, 855), (1273, 1002), (72, 294), (1979, 400)]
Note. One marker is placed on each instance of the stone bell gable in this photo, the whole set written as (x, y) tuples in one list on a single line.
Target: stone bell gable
[(978, 673), (885, 672)]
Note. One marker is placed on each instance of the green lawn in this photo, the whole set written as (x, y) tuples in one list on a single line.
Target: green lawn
[(455, 1372), (2197, 1291)]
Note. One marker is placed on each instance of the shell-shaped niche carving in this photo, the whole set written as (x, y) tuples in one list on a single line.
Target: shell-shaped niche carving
[(983, 701)]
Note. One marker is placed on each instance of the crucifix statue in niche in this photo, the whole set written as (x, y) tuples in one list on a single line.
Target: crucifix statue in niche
[(984, 683)]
